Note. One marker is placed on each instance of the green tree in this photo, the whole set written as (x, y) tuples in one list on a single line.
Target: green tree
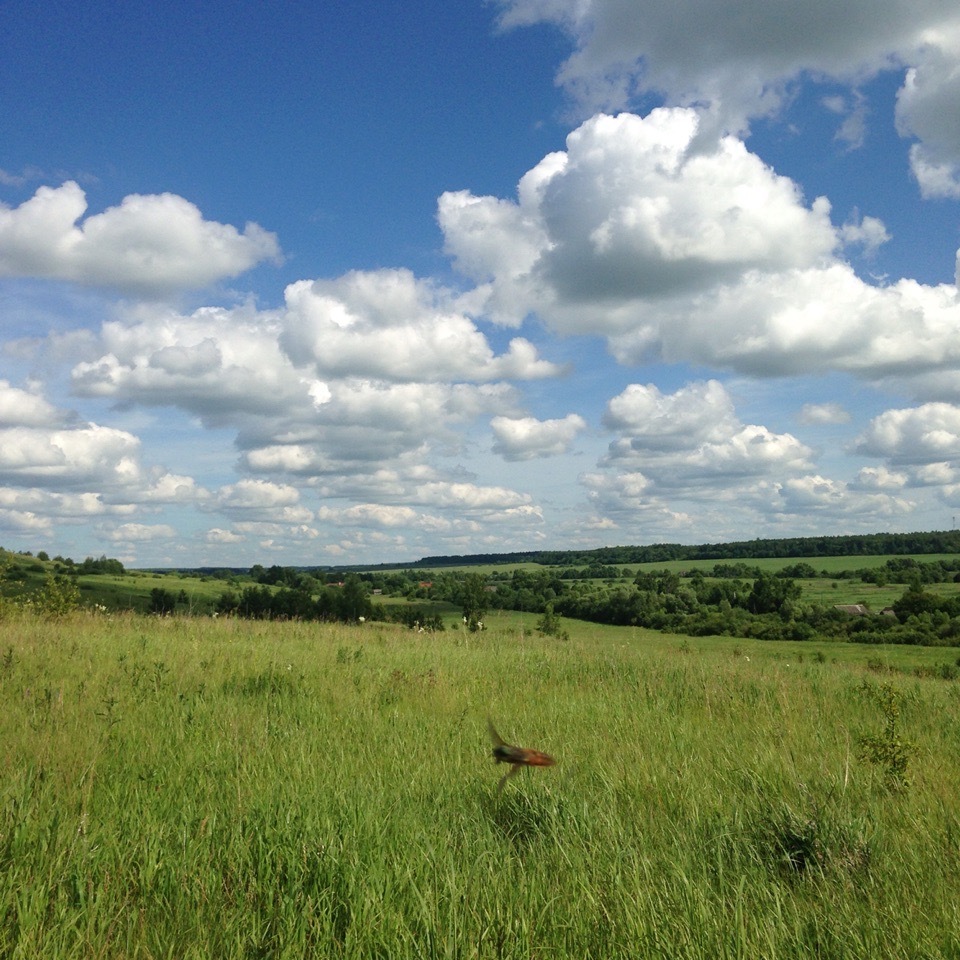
[(472, 592), (353, 599), (162, 601), (914, 602), (770, 594)]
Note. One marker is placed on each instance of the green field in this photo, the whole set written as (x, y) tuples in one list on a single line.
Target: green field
[(197, 788), (773, 564)]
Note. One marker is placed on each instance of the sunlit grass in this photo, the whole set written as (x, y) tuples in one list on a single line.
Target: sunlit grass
[(221, 788)]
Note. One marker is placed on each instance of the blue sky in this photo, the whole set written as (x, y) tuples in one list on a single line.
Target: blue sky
[(316, 284)]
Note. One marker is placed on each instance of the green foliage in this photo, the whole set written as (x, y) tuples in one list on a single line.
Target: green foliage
[(6, 566), (944, 541), (758, 598), (414, 617), (772, 594), (473, 598), (551, 624), (889, 749), (103, 565), (58, 596), (162, 601), (354, 600)]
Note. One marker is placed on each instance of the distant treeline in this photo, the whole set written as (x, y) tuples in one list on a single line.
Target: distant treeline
[(853, 545)]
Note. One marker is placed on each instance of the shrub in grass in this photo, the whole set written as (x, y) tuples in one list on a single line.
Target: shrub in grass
[(888, 749)]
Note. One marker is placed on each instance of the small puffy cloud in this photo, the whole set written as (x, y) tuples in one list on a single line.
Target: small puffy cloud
[(934, 474), (753, 449), (815, 494), (289, 529), (221, 365), (172, 488), (866, 232), (44, 511), (388, 325), (470, 497), (219, 536), (64, 506), (378, 514), (374, 517), (56, 470), (880, 478), (26, 521), (150, 246), (929, 433), (20, 408), (804, 321), (526, 438), (258, 497), (695, 414), (629, 502), (630, 489), (936, 178), (812, 492), (815, 414), (141, 533), (371, 423), (694, 435)]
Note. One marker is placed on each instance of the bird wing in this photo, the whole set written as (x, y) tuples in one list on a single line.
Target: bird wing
[(498, 741)]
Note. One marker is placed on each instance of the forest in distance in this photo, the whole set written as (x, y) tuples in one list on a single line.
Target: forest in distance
[(845, 545), (841, 545)]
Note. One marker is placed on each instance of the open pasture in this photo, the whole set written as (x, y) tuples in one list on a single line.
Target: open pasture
[(192, 787)]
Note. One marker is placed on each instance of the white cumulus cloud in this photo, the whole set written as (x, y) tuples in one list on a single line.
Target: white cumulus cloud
[(141, 532), (526, 438), (22, 408), (153, 245), (691, 440), (68, 458), (699, 253), (388, 325), (631, 213), (928, 433)]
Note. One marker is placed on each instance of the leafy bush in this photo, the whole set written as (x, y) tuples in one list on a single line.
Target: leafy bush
[(888, 749), (58, 596)]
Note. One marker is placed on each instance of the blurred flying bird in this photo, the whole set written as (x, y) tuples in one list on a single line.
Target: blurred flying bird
[(517, 757)]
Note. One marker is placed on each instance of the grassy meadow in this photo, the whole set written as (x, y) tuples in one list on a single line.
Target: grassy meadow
[(218, 788)]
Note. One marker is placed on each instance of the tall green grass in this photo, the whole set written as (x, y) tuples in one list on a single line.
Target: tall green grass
[(216, 788)]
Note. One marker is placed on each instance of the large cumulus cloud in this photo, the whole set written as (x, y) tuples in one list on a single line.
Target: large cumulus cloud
[(695, 251)]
